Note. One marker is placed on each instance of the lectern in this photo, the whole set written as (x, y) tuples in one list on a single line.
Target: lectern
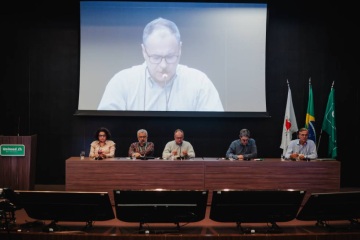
[(18, 172)]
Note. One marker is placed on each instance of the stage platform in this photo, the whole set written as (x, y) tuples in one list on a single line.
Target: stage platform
[(31, 229)]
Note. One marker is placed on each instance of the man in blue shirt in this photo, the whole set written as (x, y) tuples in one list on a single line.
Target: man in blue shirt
[(301, 148)]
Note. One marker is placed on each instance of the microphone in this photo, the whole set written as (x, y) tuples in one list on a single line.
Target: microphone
[(19, 127), (180, 157)]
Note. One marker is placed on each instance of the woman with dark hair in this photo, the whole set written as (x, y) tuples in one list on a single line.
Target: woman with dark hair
[(102, 147)]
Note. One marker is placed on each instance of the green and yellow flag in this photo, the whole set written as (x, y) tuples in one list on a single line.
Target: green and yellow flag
[(310, 115)]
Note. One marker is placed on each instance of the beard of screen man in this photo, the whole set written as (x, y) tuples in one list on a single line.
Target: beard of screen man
[(161, 43)]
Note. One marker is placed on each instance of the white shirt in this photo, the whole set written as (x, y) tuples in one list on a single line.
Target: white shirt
[(171, 146), (133, 89), (308, 149)]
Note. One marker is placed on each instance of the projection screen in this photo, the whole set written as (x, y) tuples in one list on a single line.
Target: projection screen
[(226, 42)]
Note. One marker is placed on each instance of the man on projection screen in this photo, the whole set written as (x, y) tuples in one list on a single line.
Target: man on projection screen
[(161, 83)]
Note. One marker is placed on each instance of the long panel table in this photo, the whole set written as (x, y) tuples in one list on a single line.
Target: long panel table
[(200, 174)]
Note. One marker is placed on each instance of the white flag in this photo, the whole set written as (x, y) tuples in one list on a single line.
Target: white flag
[(290, 125)]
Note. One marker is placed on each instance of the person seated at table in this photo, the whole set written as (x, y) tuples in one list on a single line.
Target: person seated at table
[(301, 148), (243, 148), (102, 147), (178, 148), (142, 148)]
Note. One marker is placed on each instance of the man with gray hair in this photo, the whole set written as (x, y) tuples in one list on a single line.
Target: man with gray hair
[(178, 148), (142, 148)]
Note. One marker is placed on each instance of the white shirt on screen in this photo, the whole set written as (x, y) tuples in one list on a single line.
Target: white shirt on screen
[(133, 89)]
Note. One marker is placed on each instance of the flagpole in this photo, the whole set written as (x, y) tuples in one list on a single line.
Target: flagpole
[(290, 124), (332, 86), (319, 140)]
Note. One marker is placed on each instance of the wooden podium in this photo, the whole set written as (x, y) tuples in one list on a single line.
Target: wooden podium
[(18, 172)]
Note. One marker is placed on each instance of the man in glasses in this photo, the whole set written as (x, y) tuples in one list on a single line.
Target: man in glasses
[(161, 83), (102, 147), (301, 148), (178, 148), (243, 148)]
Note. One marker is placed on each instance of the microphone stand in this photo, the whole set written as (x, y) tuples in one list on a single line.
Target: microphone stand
[(181, 157)]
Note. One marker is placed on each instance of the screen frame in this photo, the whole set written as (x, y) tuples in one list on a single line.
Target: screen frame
[(88, 113), (262, 114)]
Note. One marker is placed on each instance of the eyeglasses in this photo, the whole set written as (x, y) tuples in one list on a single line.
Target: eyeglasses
[(156, 59), (101, 135)]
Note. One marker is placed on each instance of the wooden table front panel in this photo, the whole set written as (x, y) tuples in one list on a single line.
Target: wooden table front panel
[(272, 174), (107, 175), (209, 174)]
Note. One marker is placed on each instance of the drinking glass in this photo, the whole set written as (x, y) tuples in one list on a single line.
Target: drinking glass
[(82, 155)]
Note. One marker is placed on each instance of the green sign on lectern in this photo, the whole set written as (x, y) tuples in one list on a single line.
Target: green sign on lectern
[(12, 150)]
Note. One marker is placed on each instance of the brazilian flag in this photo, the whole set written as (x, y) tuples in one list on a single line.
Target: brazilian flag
[(310, 116)]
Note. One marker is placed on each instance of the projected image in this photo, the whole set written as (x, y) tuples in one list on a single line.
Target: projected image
[(152, 56), (161, 83)]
